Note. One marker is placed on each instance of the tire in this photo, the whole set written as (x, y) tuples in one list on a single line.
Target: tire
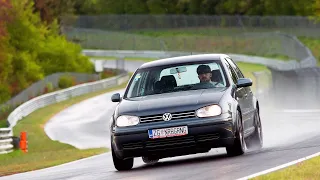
[(238, 147), (120, 164), (255, 141)]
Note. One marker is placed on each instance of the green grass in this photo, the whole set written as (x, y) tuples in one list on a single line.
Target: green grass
[(314, 46), (202, 39), (308, 170), (222, 31), (267, 46), (248, 69), (43, 152), (313, 43)]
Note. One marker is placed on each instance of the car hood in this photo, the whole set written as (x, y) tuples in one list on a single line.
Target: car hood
[(170, 102)]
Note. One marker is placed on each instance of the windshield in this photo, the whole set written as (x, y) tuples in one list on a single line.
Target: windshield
[(177, 78)]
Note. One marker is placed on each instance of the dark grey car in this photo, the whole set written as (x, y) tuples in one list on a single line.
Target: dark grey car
[(184, 105)]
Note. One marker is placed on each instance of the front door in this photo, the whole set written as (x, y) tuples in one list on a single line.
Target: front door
[(247, 98)]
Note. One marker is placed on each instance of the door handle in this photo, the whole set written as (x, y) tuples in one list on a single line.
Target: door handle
[(245, 95)]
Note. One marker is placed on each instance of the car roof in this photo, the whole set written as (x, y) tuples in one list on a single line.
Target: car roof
[(183, 59)]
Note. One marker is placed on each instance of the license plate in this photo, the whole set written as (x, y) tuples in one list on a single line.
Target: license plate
[(168, 132)]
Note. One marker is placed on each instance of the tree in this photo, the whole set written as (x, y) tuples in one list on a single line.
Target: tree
[(316, 8), (4, 16), (162, 6), (86, 7), (34, 49), (51, 10), (5, 56)]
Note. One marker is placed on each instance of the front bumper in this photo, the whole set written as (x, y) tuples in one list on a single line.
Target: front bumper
[(201, 138)]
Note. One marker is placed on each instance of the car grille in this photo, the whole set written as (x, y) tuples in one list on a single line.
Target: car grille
[(158, 117), (171, 142)]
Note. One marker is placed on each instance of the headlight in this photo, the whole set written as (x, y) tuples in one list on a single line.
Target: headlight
[(213, 110), (125, 120)]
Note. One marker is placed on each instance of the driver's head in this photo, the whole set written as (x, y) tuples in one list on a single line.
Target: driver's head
[(204, 73)]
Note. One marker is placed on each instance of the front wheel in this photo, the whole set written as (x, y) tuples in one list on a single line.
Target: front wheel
[(255, 141), (238, 147), (121, 164)]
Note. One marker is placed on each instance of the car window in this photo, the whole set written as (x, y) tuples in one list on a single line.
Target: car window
[(235, 67), (138, 84), (191, 77), (231, 72), (175, 78)]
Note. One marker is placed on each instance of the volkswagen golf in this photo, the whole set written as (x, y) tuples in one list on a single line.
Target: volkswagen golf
[(184, 105)]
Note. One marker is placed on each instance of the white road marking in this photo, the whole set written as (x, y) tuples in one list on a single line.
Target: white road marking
[(299, 111), (280, 167)]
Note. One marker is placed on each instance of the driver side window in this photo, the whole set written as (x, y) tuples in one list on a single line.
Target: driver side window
[(235, 67), (232, 73)]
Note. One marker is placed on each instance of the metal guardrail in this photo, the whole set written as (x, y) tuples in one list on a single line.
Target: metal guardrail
[(37, 88), (270, 62), (6, 140), (28, 107)]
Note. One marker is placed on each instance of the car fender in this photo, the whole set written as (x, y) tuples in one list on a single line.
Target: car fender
[(230, 105), (255, 102)]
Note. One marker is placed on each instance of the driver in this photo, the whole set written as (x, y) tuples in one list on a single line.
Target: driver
[(204, 75)]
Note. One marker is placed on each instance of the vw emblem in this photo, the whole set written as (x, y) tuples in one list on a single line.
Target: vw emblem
[(167, 116)]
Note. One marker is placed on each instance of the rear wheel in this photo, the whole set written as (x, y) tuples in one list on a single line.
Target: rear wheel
[(238, 147), (255, 141), (121, 164)]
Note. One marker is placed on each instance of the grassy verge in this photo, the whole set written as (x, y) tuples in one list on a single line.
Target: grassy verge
[(247, 70), (43, 152), (220, 31), (202, 39), (194, 41), (308, 169), (314, 45)]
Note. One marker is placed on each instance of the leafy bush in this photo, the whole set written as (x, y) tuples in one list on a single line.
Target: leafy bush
[(4, 93), (109, 73), (66, 81), (59, 55), (5, 110), (48, 88), (31, 49)]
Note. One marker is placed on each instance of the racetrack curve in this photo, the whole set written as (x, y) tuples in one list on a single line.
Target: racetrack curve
[(288, 136)]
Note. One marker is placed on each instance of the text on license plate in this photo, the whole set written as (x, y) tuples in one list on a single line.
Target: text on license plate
[(168, 132)]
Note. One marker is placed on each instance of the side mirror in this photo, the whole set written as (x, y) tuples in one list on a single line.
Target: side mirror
[(244, 82), (115, 97)]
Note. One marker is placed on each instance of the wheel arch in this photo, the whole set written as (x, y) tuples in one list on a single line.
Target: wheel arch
[(257, 106), (235, 114)]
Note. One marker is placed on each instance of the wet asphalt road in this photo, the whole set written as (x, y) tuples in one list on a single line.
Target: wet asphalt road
[(288, 136), (213, 165)]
